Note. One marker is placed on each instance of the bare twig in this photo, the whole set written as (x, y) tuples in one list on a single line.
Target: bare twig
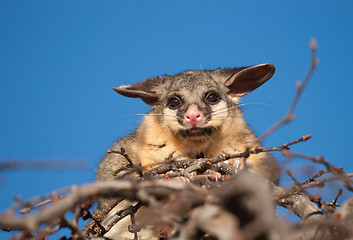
[(312, 179), (43, 164), (30, 208), (320, 183), (338, 172), (123, 153), (300, 86), (334, 202)]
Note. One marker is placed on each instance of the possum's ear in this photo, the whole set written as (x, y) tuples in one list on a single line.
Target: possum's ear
[(248, 79), (147, 90)]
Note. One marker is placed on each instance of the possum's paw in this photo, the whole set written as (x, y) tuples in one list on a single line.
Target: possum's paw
[(183, 179), (171, 174), (215, 176)]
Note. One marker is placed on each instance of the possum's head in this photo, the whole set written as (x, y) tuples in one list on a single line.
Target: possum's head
[(194, 104)]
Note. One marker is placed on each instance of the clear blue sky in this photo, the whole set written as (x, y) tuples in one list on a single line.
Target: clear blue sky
[(59, 60)]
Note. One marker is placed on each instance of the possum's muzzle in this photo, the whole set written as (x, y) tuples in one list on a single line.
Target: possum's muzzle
[(196, 132)]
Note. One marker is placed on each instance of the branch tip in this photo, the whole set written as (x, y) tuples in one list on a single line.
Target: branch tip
[(313, 44)]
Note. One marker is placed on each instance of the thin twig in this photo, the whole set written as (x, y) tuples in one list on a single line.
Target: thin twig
[(300, 86), (28, 209), (313, 178), (338, 172), (334, 202), (124, 154)]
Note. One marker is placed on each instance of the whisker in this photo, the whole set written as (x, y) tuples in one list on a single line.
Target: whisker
[(121, 118), (175, 132), (222, 111), (275, 110), (158, 114), (182, 144), (211, 140)]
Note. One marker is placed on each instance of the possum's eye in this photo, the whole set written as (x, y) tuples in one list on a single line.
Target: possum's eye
[(212, 98), (174, 102)]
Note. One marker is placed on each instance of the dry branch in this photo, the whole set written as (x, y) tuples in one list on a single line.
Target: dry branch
[(127, 189), (300, 86)]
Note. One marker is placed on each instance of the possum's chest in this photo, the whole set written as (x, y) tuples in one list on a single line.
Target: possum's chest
[(152, 154)]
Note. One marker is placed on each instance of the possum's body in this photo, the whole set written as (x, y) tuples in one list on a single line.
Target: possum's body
[(195, 114)]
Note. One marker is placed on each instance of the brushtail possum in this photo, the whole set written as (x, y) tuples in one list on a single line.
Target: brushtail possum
[(194, 114)]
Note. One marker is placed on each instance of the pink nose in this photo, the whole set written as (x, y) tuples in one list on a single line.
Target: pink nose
[(193, 115)]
